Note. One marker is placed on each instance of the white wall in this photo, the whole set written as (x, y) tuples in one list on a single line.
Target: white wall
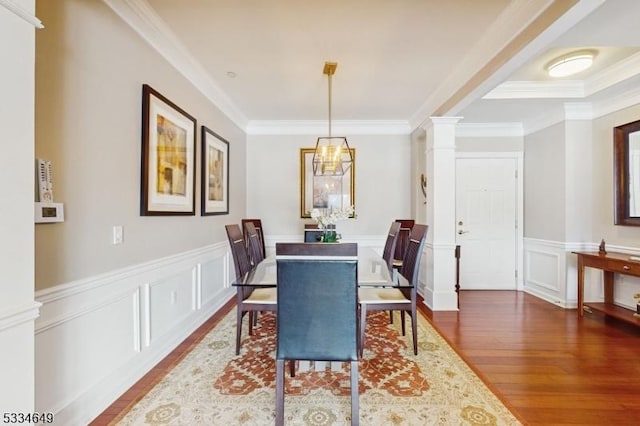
[(17, 307)]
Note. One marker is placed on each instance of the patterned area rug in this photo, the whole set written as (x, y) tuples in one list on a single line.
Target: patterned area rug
[(212, 386)]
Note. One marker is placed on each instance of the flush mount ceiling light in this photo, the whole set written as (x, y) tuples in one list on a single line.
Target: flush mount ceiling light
[(571, 63)]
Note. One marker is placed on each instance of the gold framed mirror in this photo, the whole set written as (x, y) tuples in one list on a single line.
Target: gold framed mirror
[(324, 192)]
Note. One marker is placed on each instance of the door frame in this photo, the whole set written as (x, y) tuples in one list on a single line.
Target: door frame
[(518, 156)]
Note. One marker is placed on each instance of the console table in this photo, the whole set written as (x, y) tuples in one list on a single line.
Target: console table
[(610, 264)]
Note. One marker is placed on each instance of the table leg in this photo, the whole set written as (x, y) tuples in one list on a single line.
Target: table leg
[(580, 285), (608, 287)]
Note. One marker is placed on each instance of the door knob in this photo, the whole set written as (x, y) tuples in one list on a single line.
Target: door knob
[(460, 232)]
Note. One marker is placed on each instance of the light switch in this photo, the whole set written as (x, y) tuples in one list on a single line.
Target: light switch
[(117, 234)]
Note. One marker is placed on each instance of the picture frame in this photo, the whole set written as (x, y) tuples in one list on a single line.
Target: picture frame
[(215, 174), (324, 192), (168, 168)]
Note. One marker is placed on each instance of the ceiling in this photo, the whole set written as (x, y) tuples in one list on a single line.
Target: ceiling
[(398, 62)]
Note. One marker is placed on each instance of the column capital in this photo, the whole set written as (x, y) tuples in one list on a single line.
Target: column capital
[(445, 120), (439, 122)]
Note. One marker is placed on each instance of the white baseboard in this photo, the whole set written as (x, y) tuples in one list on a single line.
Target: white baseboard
[(96, 337)]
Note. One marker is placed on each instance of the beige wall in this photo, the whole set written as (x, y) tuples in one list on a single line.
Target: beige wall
[(90, 68), (544, 184), (382, 182)]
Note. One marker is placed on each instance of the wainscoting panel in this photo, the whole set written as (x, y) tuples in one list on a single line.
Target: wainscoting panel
[(545, 266), (171, 300), (96, 337), (86, 347), (550, 273)]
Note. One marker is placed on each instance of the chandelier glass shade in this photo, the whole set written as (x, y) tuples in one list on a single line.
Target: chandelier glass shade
[(332, 156)]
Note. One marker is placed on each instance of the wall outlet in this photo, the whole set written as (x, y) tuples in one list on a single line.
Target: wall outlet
[(117, 234)]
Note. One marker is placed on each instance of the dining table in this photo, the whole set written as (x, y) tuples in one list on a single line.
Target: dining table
[(372, 272)]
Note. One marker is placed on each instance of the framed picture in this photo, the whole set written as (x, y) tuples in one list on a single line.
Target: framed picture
[(215, 174), (168, 157), (324, 192)]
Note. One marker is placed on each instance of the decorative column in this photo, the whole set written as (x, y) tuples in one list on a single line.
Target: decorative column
[(439, 273)]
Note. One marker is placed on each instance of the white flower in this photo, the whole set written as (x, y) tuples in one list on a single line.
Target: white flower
[(331, 216)]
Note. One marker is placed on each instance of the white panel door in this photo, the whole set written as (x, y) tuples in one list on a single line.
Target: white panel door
[(486, 221)]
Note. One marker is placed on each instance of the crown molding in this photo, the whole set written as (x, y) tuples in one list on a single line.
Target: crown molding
[(489, 130), (538, 90), (518, 20), (21, 12), (616, 103), (319, 127), (616, 73), (583, 111), (141, 17)]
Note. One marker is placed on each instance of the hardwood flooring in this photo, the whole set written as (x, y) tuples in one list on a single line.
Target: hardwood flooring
[(545, 363), (548, 366)]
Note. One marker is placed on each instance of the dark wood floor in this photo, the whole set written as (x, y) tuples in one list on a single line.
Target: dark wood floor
[(548, 366)]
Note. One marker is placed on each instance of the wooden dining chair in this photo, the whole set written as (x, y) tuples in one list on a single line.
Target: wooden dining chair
[(397, 299), (317, 310), (390, 244), (258, 224), (248, 299)]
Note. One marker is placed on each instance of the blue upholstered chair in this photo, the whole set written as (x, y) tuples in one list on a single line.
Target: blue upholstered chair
[(317, 310)]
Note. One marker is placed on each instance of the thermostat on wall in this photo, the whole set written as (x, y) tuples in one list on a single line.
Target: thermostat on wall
[(49, 212)]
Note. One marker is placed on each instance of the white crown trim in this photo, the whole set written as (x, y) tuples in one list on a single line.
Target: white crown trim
[(319, 127), (616, 103), (141, 17), (21, 12), (537, 90), (580, 111), (616, 73)]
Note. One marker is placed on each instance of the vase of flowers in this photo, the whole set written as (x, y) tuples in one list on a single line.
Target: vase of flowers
[(326, 220)]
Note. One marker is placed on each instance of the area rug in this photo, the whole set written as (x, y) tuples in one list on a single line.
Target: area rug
[(213, 386)]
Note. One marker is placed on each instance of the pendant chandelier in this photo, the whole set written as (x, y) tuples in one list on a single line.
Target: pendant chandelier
[(332, 156)]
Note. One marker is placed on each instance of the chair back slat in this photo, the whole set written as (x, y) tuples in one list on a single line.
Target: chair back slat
[(254, 247), (403, 237), (390, 244), (413, 254), (238, 250), (258, 225)]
